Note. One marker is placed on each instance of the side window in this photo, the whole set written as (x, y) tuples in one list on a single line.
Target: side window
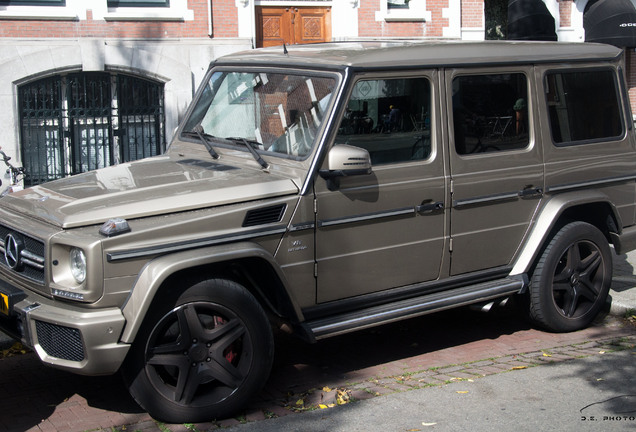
[(490, 112), (390, 118), (583, 106)]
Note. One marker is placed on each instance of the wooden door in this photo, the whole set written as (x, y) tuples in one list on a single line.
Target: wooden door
[(292, 25)]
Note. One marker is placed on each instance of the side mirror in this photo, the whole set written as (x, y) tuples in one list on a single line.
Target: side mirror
[(343, 161)]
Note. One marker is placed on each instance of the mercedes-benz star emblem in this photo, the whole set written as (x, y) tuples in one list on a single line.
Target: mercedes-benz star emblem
[(12, 251)]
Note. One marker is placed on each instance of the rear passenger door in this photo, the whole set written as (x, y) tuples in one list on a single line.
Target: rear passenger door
[(496, 165)]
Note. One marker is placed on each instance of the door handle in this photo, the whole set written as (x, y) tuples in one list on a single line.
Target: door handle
[(429, 207), (529, 192)]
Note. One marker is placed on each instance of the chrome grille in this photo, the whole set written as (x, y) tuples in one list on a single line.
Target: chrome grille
[(31, 255)]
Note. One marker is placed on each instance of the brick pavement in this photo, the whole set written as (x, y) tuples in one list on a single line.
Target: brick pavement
[(428, 351)]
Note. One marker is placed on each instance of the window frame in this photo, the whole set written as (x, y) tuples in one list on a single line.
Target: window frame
[(33, 3), (137, 3), (415, 11), (51, 10)]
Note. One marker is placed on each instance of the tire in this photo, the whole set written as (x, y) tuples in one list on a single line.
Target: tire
[(203, 356), (572, 279)]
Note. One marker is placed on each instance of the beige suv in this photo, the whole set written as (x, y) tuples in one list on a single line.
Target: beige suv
[(324, 189)]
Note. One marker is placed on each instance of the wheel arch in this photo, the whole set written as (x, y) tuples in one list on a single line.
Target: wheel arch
[(245, 263), (592, 207)]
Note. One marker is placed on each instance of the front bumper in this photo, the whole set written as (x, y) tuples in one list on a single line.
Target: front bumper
[(63, 335)]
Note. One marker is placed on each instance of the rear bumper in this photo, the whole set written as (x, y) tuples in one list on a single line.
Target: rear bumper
[(65, 336)]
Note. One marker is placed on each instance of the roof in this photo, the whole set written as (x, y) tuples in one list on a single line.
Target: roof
[(389, 54)]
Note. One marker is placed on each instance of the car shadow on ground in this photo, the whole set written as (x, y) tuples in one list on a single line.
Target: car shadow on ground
[(35, 392), (299, 367), (38, 391)]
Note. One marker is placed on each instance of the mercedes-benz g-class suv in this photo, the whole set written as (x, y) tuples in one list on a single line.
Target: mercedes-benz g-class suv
[(324, 189)]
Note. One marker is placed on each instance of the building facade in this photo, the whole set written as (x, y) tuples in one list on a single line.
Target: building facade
[(91, 83)]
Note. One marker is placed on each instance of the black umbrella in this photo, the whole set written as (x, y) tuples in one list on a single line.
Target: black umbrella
[(530, 20), (612, 22)]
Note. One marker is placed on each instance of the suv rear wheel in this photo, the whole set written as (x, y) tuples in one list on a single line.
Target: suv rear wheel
[(572, 279), (202, 357)]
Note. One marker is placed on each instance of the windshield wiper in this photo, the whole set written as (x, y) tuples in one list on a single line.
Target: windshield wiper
[(200, 133), (249, 144)]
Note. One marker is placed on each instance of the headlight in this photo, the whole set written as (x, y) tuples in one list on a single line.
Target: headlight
[(78, 265)]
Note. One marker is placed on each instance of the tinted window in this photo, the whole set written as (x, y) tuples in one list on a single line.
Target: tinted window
[(490, 112), (583, 106), (390, 118)]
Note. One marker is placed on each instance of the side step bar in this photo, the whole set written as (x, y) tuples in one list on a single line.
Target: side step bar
[(390, 312)]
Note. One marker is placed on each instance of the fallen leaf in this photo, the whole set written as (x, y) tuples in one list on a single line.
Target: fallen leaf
[(546, 355), (601, 352), (519, 367), (462, 391), (300, 402), (428, 424), (342, 397), (326, 389)]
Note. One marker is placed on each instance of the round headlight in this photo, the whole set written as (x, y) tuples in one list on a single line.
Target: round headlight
[(78, 265)]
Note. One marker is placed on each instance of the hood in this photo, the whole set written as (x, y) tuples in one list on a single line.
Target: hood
[(148, 187)]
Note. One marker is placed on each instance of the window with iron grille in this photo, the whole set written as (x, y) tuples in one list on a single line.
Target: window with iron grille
[(79, 122)]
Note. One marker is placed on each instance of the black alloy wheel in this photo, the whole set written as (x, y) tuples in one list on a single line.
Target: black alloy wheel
[(571, 281), (204, 358)]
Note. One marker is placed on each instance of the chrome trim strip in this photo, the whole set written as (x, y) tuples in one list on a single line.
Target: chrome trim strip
[(486, 199), (192, 244), (608, 180), (33, 257), (302, 226), (366, 217)]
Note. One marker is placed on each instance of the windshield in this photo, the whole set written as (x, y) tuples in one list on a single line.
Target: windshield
[(273, 112)]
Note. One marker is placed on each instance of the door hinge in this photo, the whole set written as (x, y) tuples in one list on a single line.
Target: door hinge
[(315, 206), (315, 269), (450, 244)]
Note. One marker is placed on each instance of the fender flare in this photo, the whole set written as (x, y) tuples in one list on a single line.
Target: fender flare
[(548, 217), (158, 270)]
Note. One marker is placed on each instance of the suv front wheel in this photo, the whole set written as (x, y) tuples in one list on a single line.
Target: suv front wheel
[(572, 279), (201, 357)]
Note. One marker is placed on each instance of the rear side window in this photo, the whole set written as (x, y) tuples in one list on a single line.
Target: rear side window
[(490, 113), (583, 106)]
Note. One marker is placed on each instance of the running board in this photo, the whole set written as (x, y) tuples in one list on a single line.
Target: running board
[(390, 312)]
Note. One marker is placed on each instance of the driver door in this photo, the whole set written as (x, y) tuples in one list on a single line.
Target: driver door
[(387, 229)]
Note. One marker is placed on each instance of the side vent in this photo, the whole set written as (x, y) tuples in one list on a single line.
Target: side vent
[(264, 215)]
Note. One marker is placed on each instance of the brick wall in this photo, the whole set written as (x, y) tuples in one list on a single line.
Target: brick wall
[(630, 66), (473, 13), (565, 13), (224, 18), (369, 27), (112, 29)]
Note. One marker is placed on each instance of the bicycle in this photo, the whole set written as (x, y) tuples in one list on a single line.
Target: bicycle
[(14, 174)]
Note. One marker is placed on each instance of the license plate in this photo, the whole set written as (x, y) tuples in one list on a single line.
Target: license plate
[(4, 304)]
